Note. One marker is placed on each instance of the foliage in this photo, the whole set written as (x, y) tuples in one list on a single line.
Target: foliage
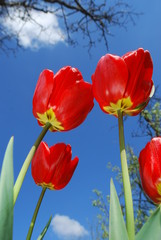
[(6, 194), (117, 228), (102, 217), (152, 120)]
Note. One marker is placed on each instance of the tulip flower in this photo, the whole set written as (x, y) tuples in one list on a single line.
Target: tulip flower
[(52, 167), (124, 83), (63, 100), (150, 169)]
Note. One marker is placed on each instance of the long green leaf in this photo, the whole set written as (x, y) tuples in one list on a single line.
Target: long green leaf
[(45, 229), (152, 228), (6, 194), (117, 229)]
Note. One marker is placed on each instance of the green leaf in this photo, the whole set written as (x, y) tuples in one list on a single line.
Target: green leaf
[(152, 228), (45, 229), (117, 229), (6, 194)]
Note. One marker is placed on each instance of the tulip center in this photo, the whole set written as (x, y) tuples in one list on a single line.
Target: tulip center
[(47, 185), (49, 116), (122, 105), (159, 189)]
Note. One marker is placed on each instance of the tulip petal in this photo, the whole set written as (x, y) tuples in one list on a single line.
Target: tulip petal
[(43, 92), (150, 169), (62, 166), (109, 80), (74, 105), (57, 156), (64, 79), (140, 66), (40, 163), (67, 175)]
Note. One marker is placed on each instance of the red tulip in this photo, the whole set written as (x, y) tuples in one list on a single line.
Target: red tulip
[(63, 99), (124, 83), (52, 167), (150, 169)]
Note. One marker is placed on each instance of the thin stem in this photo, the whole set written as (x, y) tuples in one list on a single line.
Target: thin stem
[(42, 134), (27, 162), (126, 181), (32, 224)]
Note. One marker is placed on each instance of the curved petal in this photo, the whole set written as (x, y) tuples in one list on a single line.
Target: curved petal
[(53, 167), (64, 79), (109, 80), (148, 183), (67, 174), (40, 163), (150, 168), (57, 155), (63, 169), (43, 92), (140, 67), (62, 166), (155, 157), (74, 105)]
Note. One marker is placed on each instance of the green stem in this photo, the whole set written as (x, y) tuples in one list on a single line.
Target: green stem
[(27, 162), (126, 181), (32, 224), (42, 134)]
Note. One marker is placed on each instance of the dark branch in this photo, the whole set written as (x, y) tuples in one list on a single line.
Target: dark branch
[(92, 20)]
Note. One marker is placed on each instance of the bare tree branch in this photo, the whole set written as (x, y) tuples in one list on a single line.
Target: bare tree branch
[(92, 20)]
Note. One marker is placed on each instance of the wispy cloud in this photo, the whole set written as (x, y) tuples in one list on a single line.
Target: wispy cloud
[(34, 30), (67, 228)]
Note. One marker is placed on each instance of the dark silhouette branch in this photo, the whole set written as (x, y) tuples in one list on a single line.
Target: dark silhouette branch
[(92, 20)]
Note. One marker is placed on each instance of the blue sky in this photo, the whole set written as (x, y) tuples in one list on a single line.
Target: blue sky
[(95, 142)]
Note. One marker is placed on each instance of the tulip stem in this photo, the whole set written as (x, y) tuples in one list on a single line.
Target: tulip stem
[(126, 181), (32, 224), (27, 162)]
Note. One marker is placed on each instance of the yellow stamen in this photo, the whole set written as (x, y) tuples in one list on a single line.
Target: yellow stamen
[(158, 185), (159, 188), (122, 104), (47, 185), (49, 116)]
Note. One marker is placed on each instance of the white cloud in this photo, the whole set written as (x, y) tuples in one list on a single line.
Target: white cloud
[(42, 28), (67, 228)]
